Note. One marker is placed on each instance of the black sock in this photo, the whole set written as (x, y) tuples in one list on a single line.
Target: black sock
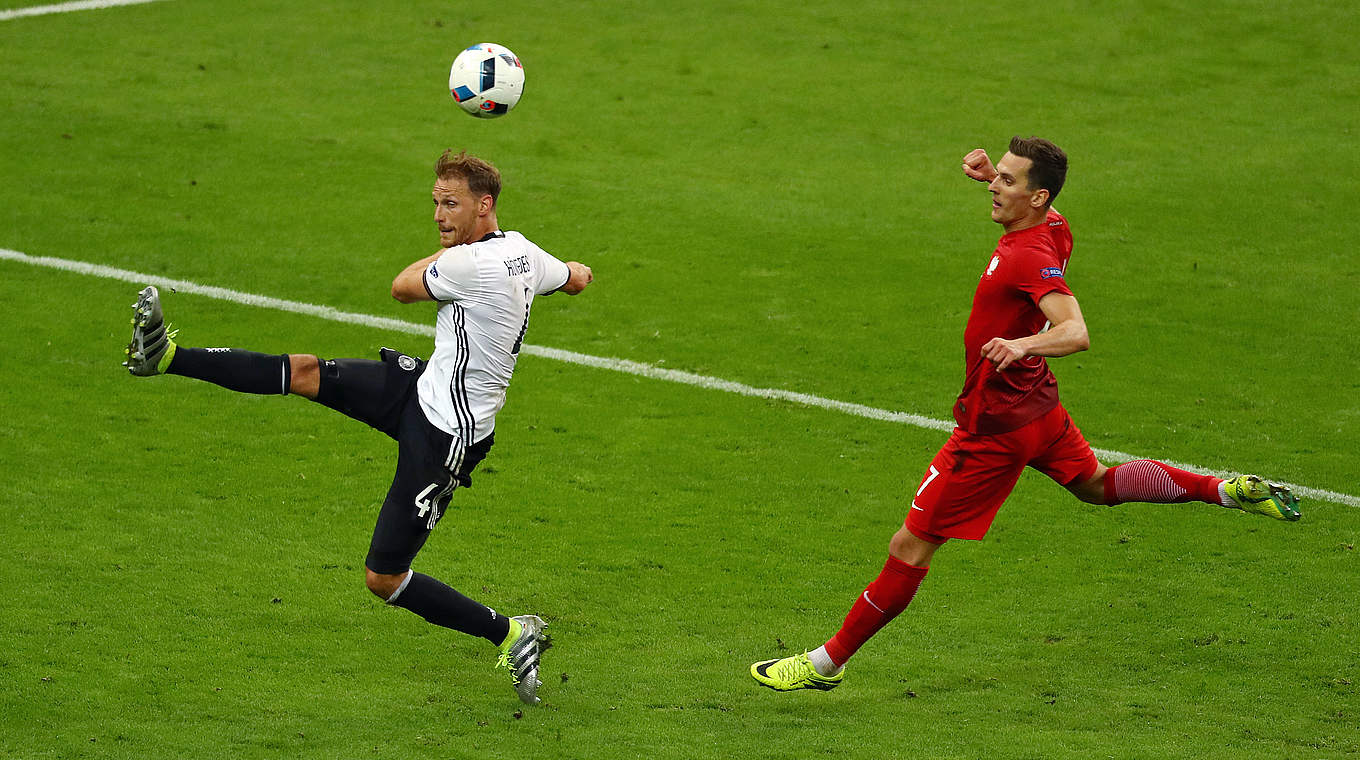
[(441, 605), (234, 369)]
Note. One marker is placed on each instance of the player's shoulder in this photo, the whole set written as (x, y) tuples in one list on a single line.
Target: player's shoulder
[(1060, 234), (458, 263), (1052, 238)]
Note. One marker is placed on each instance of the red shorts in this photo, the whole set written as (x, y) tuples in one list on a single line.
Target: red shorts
[(972, 474)]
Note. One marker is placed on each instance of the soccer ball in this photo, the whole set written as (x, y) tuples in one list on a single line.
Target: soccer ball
[(486, 80)]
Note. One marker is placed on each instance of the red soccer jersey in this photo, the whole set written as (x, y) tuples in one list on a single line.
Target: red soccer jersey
[(1027, 265)]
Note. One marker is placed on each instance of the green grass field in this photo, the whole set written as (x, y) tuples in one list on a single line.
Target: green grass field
[(769, 193)]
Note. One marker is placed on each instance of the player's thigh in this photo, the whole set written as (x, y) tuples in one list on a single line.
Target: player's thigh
[(964, 486), (415, 502), (1067, 457), (372, 391), (431, 465)]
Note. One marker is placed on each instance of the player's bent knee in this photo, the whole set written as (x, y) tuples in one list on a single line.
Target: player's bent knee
[(910, 548), (386, 587), (305, 375), (1092, 489), (1091, 492), (1086, 496)]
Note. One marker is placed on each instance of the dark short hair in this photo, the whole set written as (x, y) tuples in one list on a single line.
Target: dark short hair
[(1049, 163), (481, 177)]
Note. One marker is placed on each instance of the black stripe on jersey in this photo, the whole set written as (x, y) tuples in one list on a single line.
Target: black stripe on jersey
[(425, 280), (559, 287), (458, 382)]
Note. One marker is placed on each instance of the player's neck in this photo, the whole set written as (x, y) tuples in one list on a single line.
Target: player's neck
[(1030, 220), (485, 226)]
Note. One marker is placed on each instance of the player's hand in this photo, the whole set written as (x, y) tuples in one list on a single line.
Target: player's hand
[(978, 166), (580, 276), (1002, 352)]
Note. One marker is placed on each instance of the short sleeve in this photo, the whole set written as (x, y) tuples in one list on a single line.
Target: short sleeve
[(552, 273), (453, 276), (1037, 272)]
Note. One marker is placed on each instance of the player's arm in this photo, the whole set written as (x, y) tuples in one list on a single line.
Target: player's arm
[(978, 166), (578, 277), (1066, 334), (409, 286)]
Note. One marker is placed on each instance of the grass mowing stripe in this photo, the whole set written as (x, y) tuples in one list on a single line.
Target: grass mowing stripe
[(77, 5), (617, 365)]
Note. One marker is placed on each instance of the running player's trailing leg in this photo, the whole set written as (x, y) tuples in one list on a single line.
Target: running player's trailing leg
[(1147, 480)]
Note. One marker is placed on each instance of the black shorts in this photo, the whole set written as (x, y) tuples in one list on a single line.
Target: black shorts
[(431, 464)]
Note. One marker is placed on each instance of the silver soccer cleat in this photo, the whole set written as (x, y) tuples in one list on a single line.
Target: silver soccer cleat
[(521, 657), (150, 339)]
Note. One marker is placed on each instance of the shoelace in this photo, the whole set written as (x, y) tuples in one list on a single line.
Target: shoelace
[(504, 662), (795, 669)]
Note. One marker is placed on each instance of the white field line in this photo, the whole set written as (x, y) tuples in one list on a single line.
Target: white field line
[(77, 5), (617, 365)]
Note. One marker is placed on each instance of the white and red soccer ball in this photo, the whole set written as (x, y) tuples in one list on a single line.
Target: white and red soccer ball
[(487, 80)]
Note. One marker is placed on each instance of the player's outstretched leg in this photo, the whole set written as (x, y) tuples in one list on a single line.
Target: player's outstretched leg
[(153, 351), (152, 347), (1157, 482), (520, 653), (1250, 493), (793, 673)]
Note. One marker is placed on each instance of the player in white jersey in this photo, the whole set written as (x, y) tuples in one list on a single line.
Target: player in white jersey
[(485, 290), (442, 413)]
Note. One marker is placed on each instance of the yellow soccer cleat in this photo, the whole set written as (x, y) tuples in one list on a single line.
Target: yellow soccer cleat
[(793, 673), (1252, 494)]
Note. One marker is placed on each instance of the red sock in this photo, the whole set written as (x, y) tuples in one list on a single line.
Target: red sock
[(883, 600), (1146, 480)]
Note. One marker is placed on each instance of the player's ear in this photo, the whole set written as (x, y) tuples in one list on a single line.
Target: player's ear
[(1039, 198), (486, 204)]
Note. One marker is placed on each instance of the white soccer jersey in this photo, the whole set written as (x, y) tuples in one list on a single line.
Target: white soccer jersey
[(484, 290)]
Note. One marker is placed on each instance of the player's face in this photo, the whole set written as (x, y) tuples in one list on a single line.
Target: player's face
[(1013, 202), (456, 211)]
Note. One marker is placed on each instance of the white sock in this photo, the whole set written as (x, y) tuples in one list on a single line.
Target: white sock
[(1224, 500), (821, 662)]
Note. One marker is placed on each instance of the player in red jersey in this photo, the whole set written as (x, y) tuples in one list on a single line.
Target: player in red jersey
[(1008, 414)]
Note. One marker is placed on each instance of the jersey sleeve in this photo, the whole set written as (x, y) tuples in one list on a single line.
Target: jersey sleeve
[(453, 276), (551, 272), (1038, 272)]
